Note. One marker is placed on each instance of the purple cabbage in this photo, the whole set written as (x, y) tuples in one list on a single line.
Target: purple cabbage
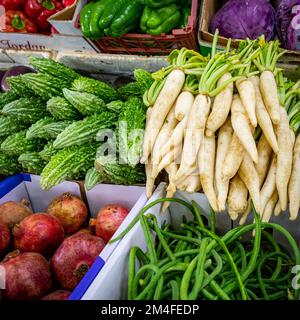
[(240, 19), (287, 32)]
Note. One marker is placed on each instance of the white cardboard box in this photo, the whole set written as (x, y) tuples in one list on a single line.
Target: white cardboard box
[(116, 270), (28, 186)]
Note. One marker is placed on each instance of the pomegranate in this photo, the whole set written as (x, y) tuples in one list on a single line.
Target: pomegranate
[(4, 238), (40, 233), (28, 276), (74, 257), (57, 295), (70, 210), (84, 230), (12, 212), (109, 218)]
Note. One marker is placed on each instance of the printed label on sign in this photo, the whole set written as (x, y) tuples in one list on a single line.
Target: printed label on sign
[(2, 18), (2, 277)]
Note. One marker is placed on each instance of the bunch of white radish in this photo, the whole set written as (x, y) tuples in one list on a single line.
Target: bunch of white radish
[(224, 126)]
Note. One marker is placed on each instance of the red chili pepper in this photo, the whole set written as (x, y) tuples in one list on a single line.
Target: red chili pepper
[(68, 3), (16, 21), (13, 4), (41, 10)]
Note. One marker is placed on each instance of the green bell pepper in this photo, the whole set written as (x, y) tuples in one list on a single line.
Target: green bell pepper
[(111, 12), (98, 10), (158, 3), (185, 13), (162, 20), (85, 16)]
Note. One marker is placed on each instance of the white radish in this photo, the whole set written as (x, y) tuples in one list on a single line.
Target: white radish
[(206, 162), (183, 105), (224, 139), (242, 128), (294, 184), (221, 106), (194, 134), (284, 158), (164, 135), (269, 185), (194, 184), (263, 117), (277, 209), (149, 182), (233, 158), (246, 91), (170, 157), (264, 151), (268, 89), (248, 174), (269, 209), (237, 197), (175, 142), (246, 213), (171, 189), (164, 102)]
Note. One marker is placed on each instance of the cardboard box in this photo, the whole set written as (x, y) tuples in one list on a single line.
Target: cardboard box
[(39, 42), (28, 187), (208, 10), (65, 21), (116, 270)]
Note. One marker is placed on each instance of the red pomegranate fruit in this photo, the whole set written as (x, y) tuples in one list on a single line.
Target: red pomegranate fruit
[(70, 210), (12, 212), (109, 218), (27, 276), (4, 238), (74, 257), (40, 233), (57, 295)]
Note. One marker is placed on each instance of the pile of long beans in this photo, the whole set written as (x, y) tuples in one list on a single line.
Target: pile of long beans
[(195, 263)]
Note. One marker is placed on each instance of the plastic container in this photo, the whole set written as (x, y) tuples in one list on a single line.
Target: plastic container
[(144, 44), (28, 187), (116, 270)]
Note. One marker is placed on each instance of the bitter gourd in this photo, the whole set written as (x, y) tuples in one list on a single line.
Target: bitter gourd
[(16, 144), (31, 162), (86, 103), (26, 110), (143, 78), (48, 151), (130, 89), (84, 131), (120, 173), (68, 163), (115, 106), (97, 87), (37, 130), (61, 109), (7, 97), (56, 69), (18, 86), (44, 85), (9, 165), (130, 132), (94, 177), (9, 125), (55, 128)]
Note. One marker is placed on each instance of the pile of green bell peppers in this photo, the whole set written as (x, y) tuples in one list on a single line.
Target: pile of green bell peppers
[(118, 17)]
